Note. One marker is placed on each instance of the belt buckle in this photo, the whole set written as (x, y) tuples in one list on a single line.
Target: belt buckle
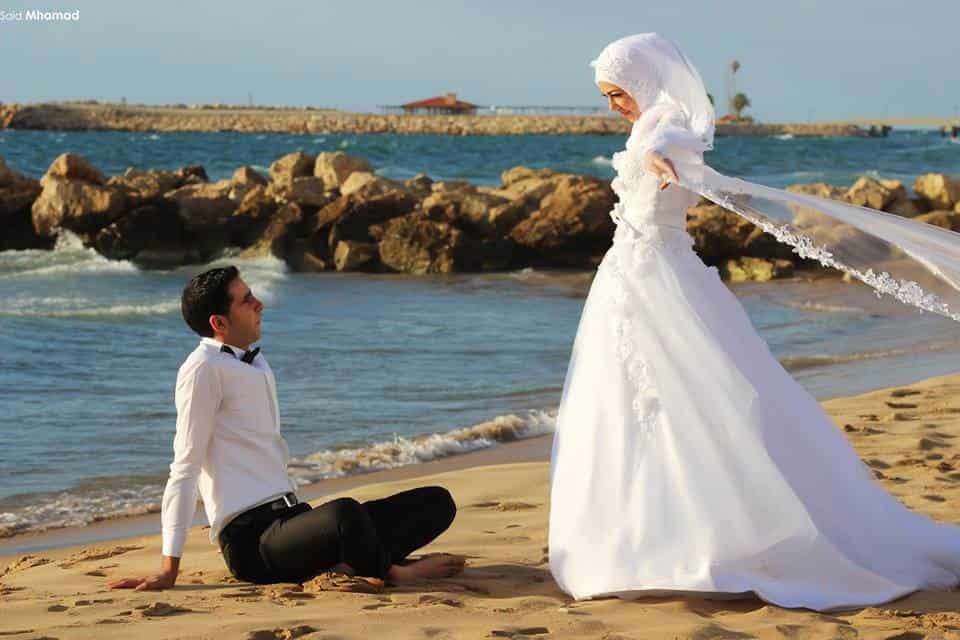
[(287, 500)]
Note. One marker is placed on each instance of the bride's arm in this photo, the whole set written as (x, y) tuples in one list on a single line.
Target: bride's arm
[(670, 137)]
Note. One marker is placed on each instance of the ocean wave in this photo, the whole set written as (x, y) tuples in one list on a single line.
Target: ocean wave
[(61, 307), (823, 307), (402, 451), (602, 161), (69, 256), (784, 136), (795, 363)]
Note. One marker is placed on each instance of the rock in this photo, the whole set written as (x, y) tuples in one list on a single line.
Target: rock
[(350, 255), (308, 191), (70, 166), (335, 167), (152, 227), (351, 216), (819, 189), (896, 188), (7, 176), (757, 269), (203, 207), (520, 174), (251, 217), (420, 185), (280, 235), (469, 209), (244, 180), (248, 175), (938, 190), (941, 218), (572, 223), (81, 207), (292, 165), (906, 207), (192, 174), (867, 192), (17, 195), (418, 245), (145, 187), (369, 185)]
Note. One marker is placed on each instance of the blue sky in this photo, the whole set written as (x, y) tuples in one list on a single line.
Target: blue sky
[(801, 59)]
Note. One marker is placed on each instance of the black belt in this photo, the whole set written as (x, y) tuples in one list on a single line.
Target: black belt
[(286, 501)]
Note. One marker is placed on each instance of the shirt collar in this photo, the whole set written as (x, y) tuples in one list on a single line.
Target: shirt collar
[(217, 344)]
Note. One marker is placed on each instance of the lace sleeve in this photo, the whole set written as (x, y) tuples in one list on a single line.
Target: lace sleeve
[(664, 130)]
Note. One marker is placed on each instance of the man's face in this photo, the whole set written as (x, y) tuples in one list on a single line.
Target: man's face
[(242, 326)]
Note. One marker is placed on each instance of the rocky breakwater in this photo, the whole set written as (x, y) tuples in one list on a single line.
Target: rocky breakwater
[(94, 116), (333, 212)]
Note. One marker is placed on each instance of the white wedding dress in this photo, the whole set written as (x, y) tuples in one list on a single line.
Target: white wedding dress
[(686, 459)]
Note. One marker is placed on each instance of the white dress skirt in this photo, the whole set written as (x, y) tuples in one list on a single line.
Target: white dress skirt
[(687, 460)]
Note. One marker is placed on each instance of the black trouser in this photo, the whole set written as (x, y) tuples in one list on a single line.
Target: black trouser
[(295, 544)]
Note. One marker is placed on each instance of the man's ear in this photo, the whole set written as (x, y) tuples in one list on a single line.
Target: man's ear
[(218, 324)]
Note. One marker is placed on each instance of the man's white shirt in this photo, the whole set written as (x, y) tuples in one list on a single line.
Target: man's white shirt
[(228, 443)]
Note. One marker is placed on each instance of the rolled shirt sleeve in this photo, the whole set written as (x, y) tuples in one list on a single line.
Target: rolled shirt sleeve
[(198, 396)]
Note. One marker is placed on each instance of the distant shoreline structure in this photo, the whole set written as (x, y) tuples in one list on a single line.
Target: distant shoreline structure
[(94, 115)]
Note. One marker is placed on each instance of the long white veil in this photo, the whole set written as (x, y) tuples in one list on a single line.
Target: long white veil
[(916, 263)]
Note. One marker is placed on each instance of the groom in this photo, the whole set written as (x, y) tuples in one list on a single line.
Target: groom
[(228, 445)]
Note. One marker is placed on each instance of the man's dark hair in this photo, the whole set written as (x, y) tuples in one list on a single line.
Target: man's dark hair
[(207, 294)]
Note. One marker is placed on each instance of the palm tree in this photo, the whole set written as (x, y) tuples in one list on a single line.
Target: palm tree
[(739, 103)]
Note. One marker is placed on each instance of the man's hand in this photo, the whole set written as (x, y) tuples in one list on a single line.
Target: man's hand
[(662, 168), (145, 583), (167, 577)]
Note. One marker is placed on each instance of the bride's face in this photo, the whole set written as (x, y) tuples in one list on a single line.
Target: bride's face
[(619, 100)]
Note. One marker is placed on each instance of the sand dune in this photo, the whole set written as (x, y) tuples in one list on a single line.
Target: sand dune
[(907, 435)]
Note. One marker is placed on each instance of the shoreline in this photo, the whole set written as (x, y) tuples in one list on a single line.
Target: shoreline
[(96, 116), (534, 449)]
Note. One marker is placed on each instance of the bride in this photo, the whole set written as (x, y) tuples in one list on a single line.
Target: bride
[(686, 459)]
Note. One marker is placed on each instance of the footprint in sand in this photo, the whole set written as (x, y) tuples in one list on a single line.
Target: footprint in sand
[(25, 562), (513, 632), (160, 610), (903, 393), (901, 405), (330, 581), (97, 553), (283, 633), (714, 631)]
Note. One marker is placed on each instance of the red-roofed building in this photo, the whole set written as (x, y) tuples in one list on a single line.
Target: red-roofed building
[(448, 104)]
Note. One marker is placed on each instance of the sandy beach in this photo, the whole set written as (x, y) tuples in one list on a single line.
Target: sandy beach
[(907, 435)]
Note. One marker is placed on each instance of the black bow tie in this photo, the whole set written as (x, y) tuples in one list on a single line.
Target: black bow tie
[(247, 357)]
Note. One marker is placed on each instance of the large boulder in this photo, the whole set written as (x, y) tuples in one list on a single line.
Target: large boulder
[(947, 219), (335, 167), (415, 244), (70, 166), (292, 165), (151, 235), (526, 183), (350, 218), (145, 187), (280, 237), (17, 194), (203, 207), (251, 217), (867, 192), (819, 189), (718, 233), (938, 190), (572, 224), (756, 269), (354, 256), (78, 206), (308, 191), (470, 209), (419, 185), (369, 185), (244, 180)]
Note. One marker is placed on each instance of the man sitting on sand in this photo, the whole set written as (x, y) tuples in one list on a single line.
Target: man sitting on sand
[(228, 444)]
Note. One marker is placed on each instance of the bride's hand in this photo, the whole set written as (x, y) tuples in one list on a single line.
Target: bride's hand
[(662, 168)]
